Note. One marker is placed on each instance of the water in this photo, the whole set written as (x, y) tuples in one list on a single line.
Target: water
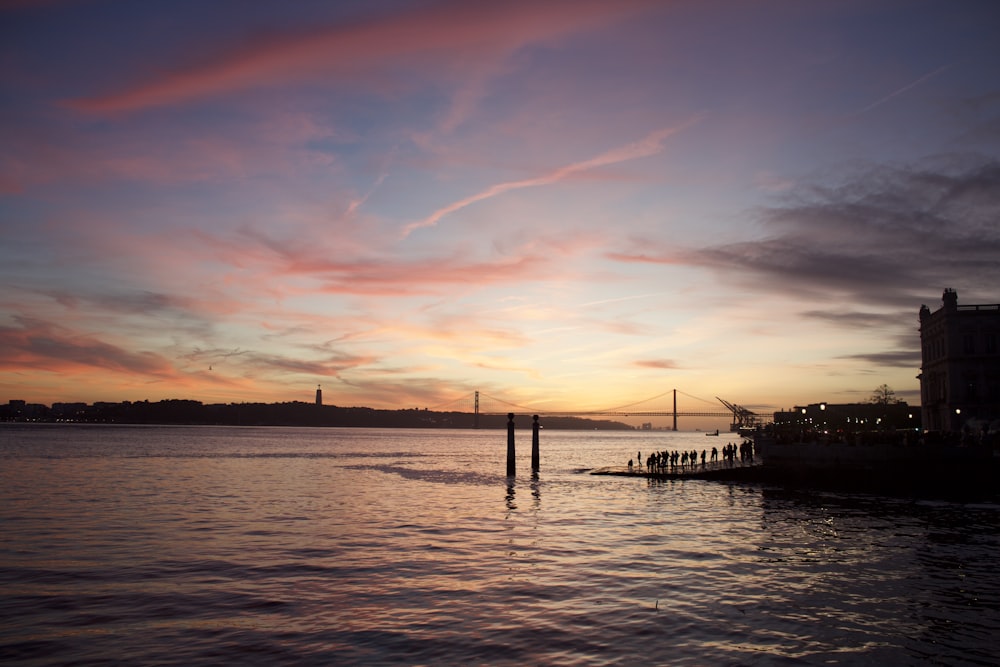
[(215, 545)]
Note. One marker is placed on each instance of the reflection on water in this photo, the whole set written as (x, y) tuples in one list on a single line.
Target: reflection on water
[(922, 569), (300, 545), (536, 492)]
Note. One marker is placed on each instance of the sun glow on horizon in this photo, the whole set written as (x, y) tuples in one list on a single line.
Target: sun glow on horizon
[(571, 206)]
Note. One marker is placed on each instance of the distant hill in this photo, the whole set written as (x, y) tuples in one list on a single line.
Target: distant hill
[(297, 413)]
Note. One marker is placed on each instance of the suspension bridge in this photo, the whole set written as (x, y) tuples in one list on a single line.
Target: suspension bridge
[(741, 417)]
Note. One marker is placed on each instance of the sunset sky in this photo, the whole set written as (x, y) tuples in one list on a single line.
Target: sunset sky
[(559, 203)]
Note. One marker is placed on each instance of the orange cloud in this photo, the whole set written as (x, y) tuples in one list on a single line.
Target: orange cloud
[(645, 258)]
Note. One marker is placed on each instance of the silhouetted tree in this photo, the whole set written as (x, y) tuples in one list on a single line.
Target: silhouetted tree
[(884, 395)]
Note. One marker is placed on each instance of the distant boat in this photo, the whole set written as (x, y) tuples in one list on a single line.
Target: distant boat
[(716, 432)]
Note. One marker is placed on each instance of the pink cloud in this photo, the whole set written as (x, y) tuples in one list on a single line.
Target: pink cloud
[(657, 364), (328, 366), (367, 271), (449, 28), (46, 346)]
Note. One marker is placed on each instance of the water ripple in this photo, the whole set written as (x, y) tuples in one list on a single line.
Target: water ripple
[(316, 547)]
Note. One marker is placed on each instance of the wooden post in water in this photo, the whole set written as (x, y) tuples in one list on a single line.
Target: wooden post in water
[(511, 467), (534, 444)]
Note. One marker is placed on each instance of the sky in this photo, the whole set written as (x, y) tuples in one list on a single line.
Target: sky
[(564, 204)]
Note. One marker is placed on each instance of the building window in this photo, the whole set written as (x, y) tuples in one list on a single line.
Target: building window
[(991, 343), (971, 395), (993, 389), (969, 344)]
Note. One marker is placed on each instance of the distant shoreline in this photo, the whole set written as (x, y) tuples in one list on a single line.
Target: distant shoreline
[(178, 412)]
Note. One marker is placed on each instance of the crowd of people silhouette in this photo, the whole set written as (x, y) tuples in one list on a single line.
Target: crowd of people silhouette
[(672, 461)]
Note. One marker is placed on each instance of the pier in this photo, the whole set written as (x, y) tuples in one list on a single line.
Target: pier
[(720, 470)]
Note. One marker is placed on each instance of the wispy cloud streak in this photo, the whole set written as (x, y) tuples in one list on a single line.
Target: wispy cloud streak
[(648, 146), (902, 90)]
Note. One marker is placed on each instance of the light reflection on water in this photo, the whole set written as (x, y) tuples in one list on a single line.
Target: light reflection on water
[(307, 545)]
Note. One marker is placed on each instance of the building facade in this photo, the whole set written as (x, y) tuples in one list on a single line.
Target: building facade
[(960, 366), (853, 423)]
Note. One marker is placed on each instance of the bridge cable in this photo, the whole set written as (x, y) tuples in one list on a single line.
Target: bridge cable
[(645, 400), (697, 398), (508, 403), (447, 403)]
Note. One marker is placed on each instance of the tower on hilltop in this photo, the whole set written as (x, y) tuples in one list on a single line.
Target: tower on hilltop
[(319, 395)]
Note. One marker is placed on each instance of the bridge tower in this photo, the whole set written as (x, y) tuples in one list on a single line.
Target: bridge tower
[(675, 409), (475, 420)]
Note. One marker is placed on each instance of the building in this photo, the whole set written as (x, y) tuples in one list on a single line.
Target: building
[(21, 411), (846, 422), (960, 366)]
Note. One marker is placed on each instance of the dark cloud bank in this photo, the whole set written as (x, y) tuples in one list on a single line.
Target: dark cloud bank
[(889, 238)]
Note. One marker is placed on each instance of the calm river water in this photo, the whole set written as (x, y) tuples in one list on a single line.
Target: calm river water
[(219, 545)]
